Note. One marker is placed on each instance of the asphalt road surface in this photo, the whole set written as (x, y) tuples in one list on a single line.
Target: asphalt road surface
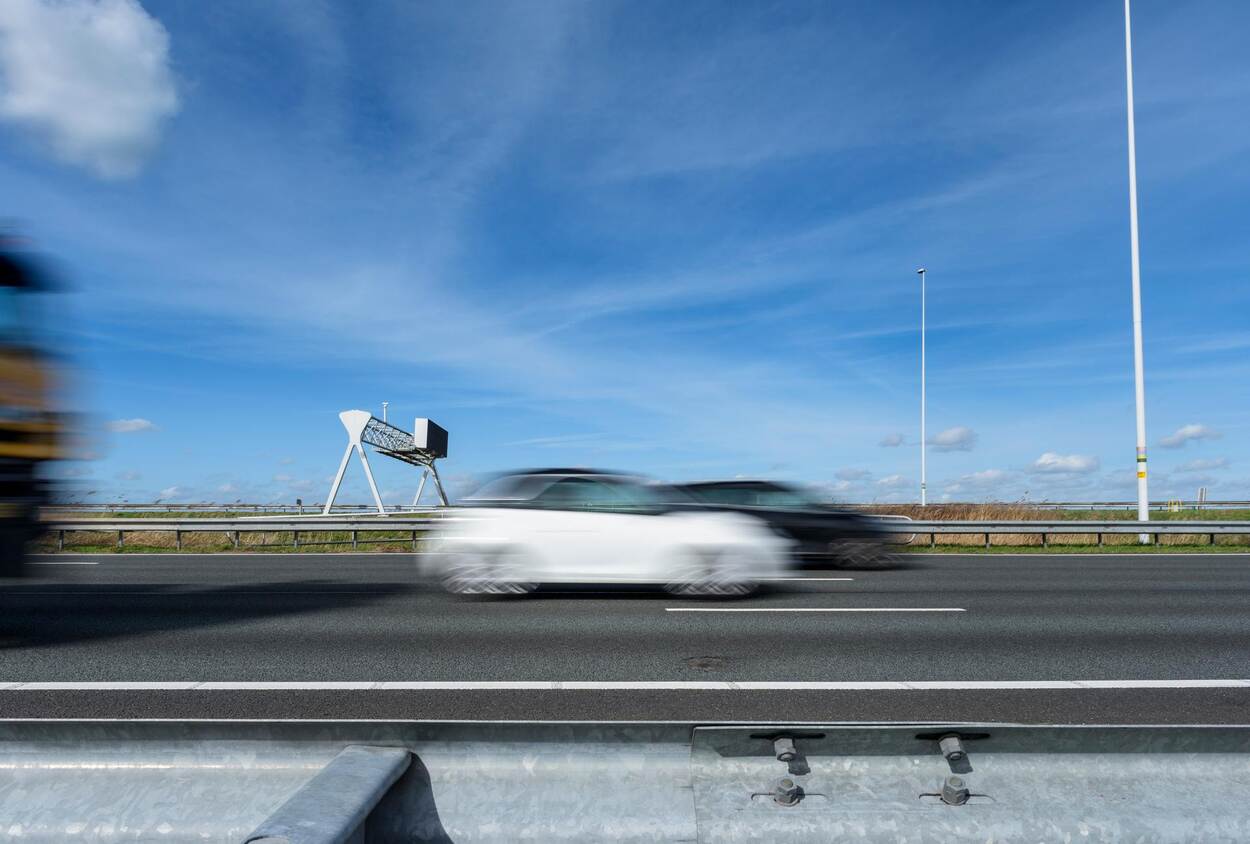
[(1029, 638)]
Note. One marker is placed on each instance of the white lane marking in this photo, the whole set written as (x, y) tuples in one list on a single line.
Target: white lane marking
[(822, 579), (814, 609), (627, 685), (64, 563)]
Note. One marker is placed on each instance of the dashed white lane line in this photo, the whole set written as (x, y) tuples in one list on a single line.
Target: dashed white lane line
[(814, 609), (625, 685), (64, 563), (811, 579)]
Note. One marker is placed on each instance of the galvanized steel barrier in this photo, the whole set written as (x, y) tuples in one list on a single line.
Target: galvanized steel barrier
[(358, 527), (1070, 527), (380, 782)]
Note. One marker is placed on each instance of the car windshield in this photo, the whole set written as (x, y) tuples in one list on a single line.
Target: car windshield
[(510, 488), (568, 492)]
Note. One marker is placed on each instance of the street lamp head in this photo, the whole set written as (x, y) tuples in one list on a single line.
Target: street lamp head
[(920, 271)]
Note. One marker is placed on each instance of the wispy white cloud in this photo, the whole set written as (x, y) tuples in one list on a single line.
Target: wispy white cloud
[(959, 438), (1052, 463), (1203, 465), (891, 441), (1188, 433), (131, 426), (90, 79)]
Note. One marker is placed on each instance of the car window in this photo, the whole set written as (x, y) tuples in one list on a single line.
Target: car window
[(510, 488), (599, 494), (751, 496)]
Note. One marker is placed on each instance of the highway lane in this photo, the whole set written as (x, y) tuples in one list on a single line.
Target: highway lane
[(324, 618)]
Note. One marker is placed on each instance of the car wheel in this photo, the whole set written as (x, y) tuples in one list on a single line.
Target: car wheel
[(863, 554), (711, 574), (485, 574)]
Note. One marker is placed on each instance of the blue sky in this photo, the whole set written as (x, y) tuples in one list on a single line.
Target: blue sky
[(673, 238)]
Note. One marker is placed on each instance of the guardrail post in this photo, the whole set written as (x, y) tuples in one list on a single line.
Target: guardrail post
[(1045, 543), (178, 540), (414, 541), (60, 540), (295, 538), (1212, 539), (120, 541), (1100, 540), (235, 537), (987, 539), (933, 540), (354, 539)]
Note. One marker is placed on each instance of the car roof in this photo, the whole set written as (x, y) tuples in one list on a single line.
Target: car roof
[(741, 482)]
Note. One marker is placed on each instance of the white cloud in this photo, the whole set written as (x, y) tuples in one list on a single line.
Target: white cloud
[(227, 488), (986, 477), (891, 441), (130, 426), (169, 492), (1185, 433), (128, 475), (90, 79), (959, 438), (1051, 463), (283, 478), (852, 474), (1203, 465), (893, 482)]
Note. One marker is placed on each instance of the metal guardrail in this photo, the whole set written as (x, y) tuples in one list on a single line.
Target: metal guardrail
[(292, 509), (316, 507), (233, 528), (414, 525), (382, 783), (1070, 527)]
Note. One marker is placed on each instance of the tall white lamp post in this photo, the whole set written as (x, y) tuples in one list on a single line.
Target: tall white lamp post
[(1143, 496), (922, 385)]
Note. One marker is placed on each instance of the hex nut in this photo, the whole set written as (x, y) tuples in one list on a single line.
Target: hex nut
[(952, 748), (787, 792), (955, 791)]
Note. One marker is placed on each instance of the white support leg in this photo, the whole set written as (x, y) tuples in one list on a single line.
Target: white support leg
[(373, 487), (420, 487), (338, 479), (438, 482)]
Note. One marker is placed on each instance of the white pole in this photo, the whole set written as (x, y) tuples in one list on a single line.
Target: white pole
[(923, 478), (1139, 378), (384, 404)]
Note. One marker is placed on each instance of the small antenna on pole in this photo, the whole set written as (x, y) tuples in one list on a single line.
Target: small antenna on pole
[(384, 406)]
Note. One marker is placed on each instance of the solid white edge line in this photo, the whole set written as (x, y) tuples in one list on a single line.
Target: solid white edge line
[(628, 685), (64, 563), (814, 609)]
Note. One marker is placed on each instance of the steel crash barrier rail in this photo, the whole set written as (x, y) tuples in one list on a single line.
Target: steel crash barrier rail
[(1154, 530), (317, 507), (382, 782), (357, 530)]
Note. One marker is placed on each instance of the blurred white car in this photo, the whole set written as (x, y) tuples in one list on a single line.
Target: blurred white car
[(564, 526)]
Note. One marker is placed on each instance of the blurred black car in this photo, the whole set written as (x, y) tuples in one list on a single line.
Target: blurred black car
[(825, 534)]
